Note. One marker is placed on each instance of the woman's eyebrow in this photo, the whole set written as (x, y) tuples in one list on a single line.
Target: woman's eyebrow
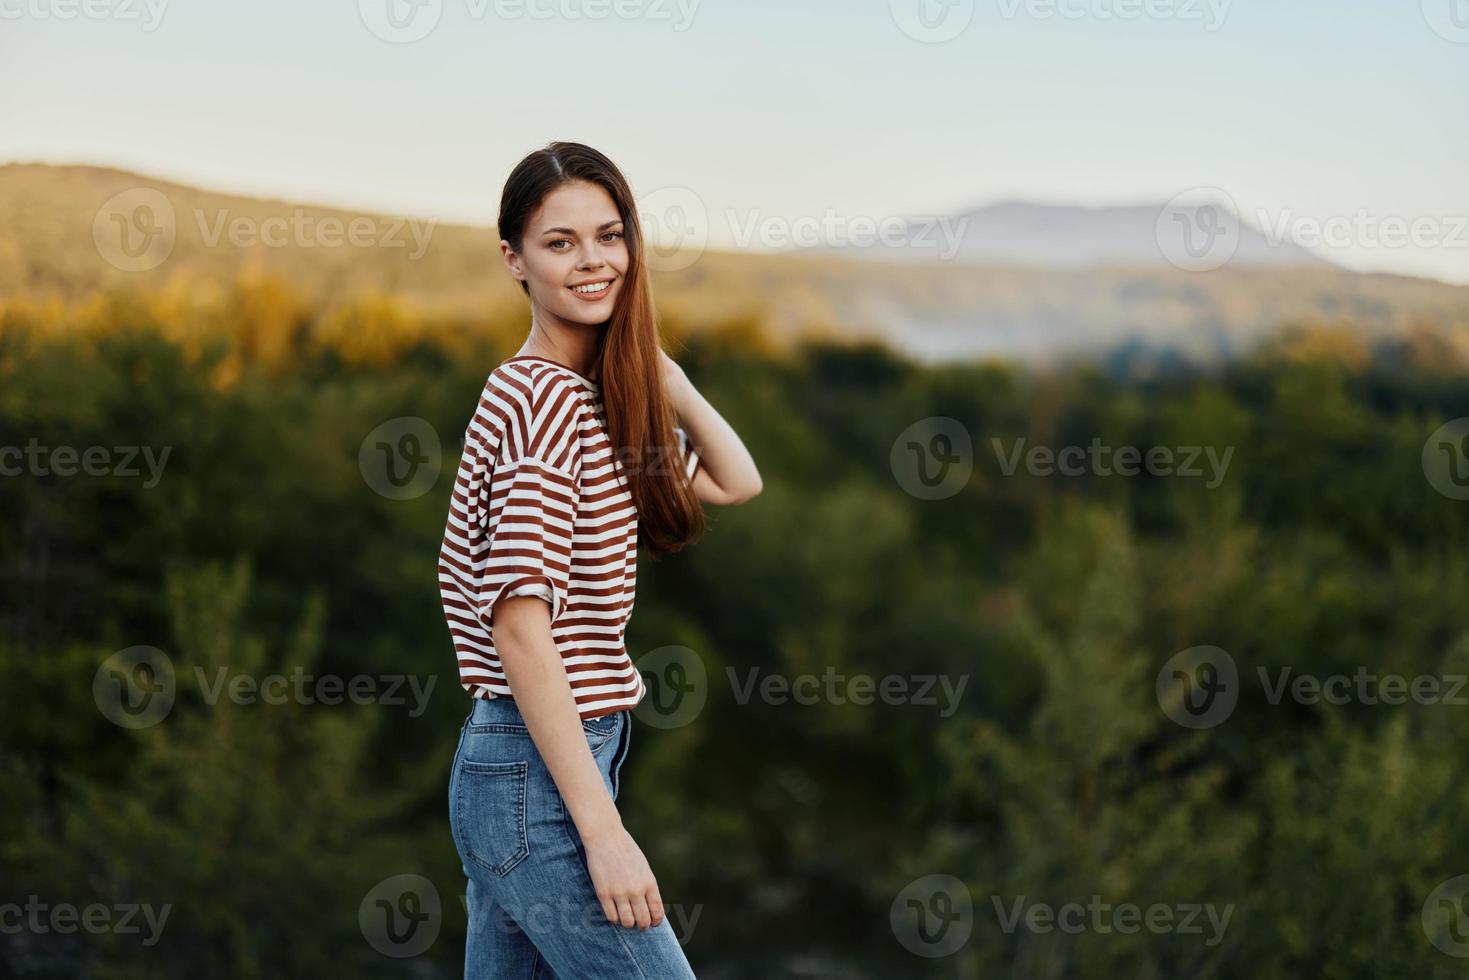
[(568, 231)]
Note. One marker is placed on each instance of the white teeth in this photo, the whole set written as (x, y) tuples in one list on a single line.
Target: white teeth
[(593, 288)]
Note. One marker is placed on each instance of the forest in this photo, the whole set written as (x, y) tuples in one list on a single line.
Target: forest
[(1042, 715)]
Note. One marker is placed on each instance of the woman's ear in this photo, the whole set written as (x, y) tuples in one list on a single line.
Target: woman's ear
[(512, 260)]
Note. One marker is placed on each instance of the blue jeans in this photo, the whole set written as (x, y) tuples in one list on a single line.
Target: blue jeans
[(533, 914)]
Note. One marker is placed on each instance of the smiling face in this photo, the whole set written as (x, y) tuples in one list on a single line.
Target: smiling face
[(574, 254)]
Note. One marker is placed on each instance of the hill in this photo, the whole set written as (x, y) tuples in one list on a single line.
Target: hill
[(64, 234)]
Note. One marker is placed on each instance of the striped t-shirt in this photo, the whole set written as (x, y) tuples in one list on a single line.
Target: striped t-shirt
[(541, 506)]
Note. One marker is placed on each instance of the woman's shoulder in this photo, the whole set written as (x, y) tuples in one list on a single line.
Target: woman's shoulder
[(532, 376), (530, 408)]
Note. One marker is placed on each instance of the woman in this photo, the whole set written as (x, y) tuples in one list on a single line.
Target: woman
[(538, 570)]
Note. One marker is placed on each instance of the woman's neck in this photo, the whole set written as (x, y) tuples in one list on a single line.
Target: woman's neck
[(572, 345)]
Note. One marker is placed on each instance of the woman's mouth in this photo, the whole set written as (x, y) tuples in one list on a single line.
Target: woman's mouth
[(592, 291)]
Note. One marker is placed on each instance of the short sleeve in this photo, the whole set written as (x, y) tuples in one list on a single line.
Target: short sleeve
[(531, 513), (690, 454)]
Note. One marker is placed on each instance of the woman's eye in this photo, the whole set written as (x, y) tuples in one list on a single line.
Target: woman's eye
[(566, 241)]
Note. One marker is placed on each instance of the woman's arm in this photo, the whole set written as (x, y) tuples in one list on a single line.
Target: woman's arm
[(727, 472), (534, 670)]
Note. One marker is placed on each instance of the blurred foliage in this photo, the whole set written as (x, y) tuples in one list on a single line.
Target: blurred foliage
[(791, 828), (54, 222)]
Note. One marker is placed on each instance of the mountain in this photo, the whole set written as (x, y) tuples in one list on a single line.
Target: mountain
[(60, 228), (1056, 236)]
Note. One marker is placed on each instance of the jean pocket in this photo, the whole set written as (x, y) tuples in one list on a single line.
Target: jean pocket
[(601, 728), (490, 813)]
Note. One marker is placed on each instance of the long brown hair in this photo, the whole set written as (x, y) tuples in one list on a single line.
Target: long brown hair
[(640, 418)]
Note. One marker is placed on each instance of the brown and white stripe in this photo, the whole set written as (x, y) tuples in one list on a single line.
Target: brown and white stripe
[(541, 506)]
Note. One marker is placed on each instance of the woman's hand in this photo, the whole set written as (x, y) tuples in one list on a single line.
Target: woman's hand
[(623, 880)]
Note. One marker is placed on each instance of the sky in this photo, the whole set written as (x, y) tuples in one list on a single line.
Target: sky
[(1348, 117)]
